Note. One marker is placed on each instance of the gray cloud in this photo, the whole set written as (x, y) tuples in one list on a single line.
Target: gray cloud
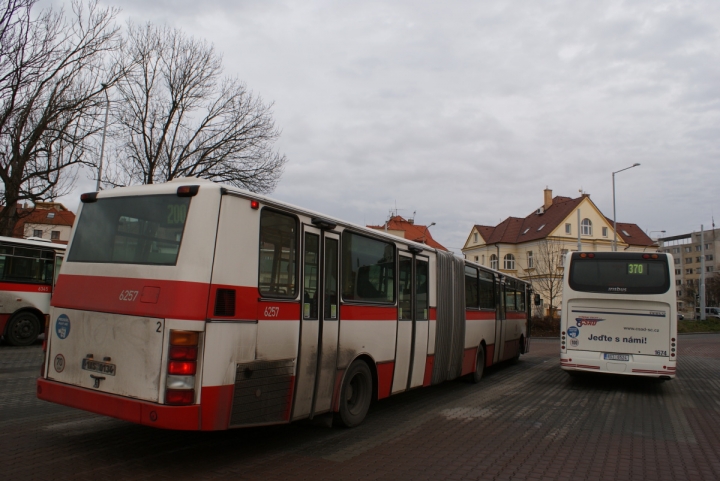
[(465, 111)]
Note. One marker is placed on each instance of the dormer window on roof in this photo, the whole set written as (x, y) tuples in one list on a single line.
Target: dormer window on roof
[(51, 215), (540, 228), (626, 233), (525, 231)]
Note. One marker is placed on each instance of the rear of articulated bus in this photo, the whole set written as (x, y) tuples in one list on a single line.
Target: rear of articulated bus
[(127, 318), (619, 314)]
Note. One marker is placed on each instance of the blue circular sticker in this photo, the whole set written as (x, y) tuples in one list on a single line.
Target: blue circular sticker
[(573, 331), (62, 326)]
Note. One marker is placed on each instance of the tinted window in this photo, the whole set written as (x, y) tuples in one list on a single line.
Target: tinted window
[(486, 290), (368, 269), (421, 290), (29, 265), (278, 254), (612, 273), (131, 230), (471, 287)]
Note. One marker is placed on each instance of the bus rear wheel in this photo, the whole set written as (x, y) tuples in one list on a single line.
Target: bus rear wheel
[(355, 395), (23, 329), (479, 366)]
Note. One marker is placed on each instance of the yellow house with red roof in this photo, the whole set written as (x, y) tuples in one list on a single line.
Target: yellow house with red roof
[(534, 247)]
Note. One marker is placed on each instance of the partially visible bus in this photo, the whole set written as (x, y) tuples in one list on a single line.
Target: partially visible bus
[(196, 306), (619, 314), (28, 270)]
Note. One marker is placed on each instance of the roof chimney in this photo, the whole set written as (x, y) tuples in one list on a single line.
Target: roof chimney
[(548, 198)]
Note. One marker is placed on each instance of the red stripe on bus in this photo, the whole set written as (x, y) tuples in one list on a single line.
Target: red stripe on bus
[(246, 300), (490, 356), (22, 287), (432, 314), (468, 364), (278, 311), (385, 377), (124, 295), (429, 362), (215, 407), (133, 410), (479, 315), (367, 313)]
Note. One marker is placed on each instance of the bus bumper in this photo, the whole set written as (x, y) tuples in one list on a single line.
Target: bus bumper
[(133, 410), (575, 363)]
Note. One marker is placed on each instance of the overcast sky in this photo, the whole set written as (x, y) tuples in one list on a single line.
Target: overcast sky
[(465, 111)]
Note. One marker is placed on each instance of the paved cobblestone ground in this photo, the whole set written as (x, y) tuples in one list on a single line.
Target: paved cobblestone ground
[(527, 421)]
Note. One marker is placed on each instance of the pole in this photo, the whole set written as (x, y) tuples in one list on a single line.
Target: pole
[(614, 244), (579, 239), (702, 273), (614, 213), (102, 144)]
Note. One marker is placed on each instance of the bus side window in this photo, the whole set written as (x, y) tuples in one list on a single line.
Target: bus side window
[(278, 254), (58, 263), (368, 272)]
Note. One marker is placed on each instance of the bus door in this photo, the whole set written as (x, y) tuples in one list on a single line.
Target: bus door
[(317, 356), (412, 326), (499, 319)]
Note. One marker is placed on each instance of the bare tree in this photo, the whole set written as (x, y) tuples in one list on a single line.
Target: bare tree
[(712, 290), (547, 275), (52, 76), (176, 116)]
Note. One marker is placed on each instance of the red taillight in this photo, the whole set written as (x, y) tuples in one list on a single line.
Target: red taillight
[(646, 256), (179, 396), (254, 204), (591, 256), (183, 353), (182, 368), (88, 197)]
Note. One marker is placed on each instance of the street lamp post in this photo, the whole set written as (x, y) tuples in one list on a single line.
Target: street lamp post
[(614, 214), (424, 237), (102, 144)]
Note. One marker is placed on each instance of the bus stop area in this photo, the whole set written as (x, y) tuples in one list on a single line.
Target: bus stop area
[(524, 421)]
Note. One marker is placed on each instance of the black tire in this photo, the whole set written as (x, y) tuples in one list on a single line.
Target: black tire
[(355, 395), (519, 351), (23, 329), (479, 366)]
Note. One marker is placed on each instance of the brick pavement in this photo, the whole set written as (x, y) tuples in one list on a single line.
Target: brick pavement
[(527, 421)]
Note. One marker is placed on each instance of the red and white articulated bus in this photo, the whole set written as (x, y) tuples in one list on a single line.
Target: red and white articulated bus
[(28, 270), (196, 306)]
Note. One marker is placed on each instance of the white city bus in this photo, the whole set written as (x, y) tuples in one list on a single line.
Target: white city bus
[(28, 270), (619, 314), (191, 305)]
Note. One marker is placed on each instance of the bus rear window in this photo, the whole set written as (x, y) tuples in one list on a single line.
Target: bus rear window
[(619, 275), (131, 230)]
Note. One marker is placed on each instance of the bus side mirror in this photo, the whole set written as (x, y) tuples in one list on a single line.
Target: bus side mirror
[(537, 300)]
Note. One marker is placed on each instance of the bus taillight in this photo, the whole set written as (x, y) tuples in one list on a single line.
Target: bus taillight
[(182, 366)]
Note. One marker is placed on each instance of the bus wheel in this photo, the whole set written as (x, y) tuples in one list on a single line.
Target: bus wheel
[(479, 365), (23, 329), (519, 351), (355, 395)]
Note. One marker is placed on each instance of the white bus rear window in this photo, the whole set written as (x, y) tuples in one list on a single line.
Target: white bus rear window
[(619, 275), (131, 230)]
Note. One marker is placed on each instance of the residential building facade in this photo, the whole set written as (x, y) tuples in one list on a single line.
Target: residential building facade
[(687, 250), (47, 220), (407, 229), (533, 247)]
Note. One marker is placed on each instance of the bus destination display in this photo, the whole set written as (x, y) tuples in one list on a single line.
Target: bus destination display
[(637, 268)]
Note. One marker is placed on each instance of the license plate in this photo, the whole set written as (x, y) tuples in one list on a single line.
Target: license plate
[(97, 366), (617, 357)]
